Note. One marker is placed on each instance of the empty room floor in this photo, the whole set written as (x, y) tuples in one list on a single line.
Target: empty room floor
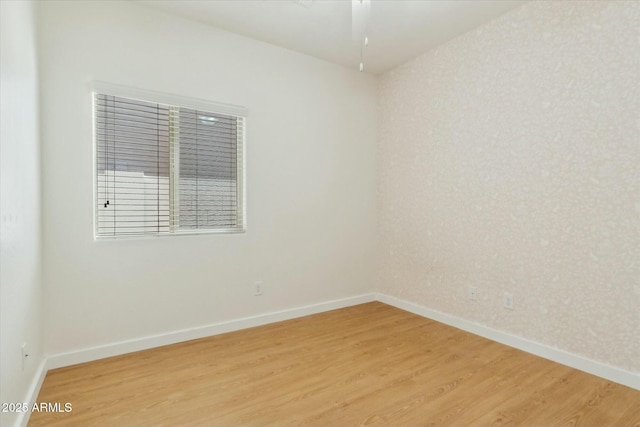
[(370, 364)]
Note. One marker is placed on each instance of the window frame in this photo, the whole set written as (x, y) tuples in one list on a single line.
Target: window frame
[(103, 88)]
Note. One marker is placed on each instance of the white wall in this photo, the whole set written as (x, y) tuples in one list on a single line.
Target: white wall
[(310, 178), (509, 161), (20, 243)]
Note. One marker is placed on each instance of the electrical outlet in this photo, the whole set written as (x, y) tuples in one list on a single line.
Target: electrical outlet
[(473, 293), (507, 300), (258, 287), (25, 355)]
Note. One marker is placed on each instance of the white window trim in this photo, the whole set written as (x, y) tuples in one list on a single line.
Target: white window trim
[(169, 99), (166, 98)]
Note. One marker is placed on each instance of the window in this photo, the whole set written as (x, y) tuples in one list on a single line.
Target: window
[(166, 169)]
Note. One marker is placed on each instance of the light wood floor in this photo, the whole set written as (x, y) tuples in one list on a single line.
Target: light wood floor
[(370, 364)]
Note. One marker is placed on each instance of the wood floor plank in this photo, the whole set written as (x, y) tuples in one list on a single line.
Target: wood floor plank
[(371, 365)]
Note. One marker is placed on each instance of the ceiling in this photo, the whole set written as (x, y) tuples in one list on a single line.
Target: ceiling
[(398, 30)]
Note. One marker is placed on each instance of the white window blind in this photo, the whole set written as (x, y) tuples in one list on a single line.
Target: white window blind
[(166, 169)]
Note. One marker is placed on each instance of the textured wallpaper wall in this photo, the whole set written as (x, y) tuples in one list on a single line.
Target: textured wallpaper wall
[(509, 160)]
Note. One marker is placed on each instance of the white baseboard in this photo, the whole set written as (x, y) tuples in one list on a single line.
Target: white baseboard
[(599, 369), (32, 392), (94, 353), (603, 370)]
